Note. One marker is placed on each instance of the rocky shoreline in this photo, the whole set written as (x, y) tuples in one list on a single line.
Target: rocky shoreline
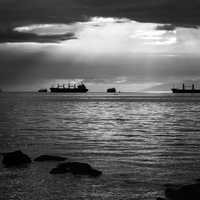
[(17, 159)]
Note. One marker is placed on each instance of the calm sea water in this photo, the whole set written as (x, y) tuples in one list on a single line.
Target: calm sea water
[(140, 142)]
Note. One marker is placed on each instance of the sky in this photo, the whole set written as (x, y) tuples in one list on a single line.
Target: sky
[(133, 45)]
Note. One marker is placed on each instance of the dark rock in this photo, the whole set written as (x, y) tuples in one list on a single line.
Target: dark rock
[(187, 192), (15, 158), (159, 198), (76, 168), (43, 158), (171, 185), (58, 170)]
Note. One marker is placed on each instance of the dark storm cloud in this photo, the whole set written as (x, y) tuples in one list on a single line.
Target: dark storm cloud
[(178, 12), (14, 36)]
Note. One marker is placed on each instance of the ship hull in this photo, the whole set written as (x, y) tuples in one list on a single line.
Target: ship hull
[(185, 91), (68, 90)]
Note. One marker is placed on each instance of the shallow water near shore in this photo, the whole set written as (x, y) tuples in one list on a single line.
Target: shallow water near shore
[(139, 141)]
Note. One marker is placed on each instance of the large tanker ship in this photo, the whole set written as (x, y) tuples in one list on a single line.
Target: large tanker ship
[(184, 89)]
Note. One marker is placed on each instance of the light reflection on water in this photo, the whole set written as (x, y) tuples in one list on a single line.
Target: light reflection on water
[(140, 142)]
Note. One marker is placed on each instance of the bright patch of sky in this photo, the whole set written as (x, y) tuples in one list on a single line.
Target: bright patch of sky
[(113, 35), (120, 47)]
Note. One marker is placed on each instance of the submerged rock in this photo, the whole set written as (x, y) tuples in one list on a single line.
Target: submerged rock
[(15, 158), (44, 158), (187, 192), (76, 168)]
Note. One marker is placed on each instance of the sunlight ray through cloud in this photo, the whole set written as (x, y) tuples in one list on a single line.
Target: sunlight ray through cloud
[(102, 35), (118, 50), (115, 35)]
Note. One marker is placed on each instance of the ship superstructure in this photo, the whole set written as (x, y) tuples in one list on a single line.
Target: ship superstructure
[(78, 88)]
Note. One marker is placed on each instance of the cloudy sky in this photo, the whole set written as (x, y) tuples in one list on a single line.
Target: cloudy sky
[(129, 44)]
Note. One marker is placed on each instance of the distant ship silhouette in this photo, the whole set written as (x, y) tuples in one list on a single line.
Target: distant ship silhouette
[(76, 88), (111, 90), (185, 89), (43, 90)]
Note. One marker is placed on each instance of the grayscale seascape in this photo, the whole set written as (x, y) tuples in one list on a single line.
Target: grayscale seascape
[(139, 141)]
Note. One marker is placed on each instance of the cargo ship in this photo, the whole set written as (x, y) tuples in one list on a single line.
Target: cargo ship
[(75, 88), (184, 89)]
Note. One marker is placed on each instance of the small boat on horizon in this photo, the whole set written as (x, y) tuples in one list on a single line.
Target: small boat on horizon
[(111, 90), (186, 89)]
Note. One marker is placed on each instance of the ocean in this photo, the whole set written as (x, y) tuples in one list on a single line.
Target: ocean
[(139, 141)]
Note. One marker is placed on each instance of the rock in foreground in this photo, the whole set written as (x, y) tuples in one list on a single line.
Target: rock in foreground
[(44, 158), (187, 192), (76, 168), (15, 158)]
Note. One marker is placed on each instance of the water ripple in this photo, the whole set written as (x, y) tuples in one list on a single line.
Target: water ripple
[(139, 142)]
